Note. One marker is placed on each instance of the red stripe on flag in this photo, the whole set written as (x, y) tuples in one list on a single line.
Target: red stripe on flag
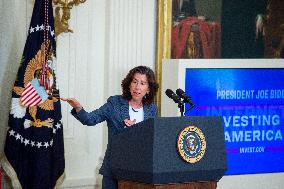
[(31, 92), (27, 89), (29, 96), (35, 101)]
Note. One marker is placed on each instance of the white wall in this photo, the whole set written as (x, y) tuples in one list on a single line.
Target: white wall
[(80, 57), (12, 40)]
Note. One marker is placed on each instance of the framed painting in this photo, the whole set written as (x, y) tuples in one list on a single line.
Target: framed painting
[(213, 29)]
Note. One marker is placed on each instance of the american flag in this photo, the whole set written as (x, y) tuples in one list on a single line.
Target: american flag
[(34, 147), (33, 94)]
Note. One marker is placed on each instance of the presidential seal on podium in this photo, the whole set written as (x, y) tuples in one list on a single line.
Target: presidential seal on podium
[(191, 144)]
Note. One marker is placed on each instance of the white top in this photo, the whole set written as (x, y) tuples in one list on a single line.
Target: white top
[(137, 114)]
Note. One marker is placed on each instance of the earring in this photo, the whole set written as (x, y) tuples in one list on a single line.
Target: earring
[(146, 95)]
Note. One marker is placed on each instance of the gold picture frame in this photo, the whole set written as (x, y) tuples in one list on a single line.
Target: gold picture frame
[(163, 48)]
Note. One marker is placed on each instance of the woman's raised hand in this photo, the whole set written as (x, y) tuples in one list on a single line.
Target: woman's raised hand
[(73, 102)]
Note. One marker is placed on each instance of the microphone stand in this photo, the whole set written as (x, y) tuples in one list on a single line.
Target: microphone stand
[(181, 108)]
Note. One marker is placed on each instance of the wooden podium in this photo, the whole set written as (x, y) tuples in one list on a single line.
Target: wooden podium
[(146, 155), (192, 185)]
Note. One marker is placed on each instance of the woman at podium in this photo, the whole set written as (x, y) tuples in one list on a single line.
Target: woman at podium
[(136, 104)]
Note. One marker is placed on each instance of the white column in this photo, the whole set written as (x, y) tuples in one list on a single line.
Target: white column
[(130, 40)]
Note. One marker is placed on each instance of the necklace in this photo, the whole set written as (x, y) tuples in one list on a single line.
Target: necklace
[(134, 110), (135, 105)]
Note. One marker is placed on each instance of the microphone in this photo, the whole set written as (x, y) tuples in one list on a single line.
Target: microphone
[(173, 96), (186, 98)]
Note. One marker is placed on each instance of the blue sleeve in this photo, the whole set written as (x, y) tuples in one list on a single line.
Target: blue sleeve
[(94, 117)]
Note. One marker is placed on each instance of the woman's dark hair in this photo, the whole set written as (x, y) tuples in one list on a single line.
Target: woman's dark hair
[(153, 85)]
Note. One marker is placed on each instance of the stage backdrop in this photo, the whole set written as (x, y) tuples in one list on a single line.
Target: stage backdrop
[(250, 97)]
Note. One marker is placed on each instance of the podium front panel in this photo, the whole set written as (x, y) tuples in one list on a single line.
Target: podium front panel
[(148, 152)]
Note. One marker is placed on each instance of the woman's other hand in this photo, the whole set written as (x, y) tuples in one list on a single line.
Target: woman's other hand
[(129, 123), (73, 102)]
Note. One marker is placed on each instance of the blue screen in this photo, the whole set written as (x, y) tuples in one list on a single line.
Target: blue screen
[(251, 102)]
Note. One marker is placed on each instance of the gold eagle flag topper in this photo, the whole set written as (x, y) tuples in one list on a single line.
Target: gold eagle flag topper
[(62, 14)]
